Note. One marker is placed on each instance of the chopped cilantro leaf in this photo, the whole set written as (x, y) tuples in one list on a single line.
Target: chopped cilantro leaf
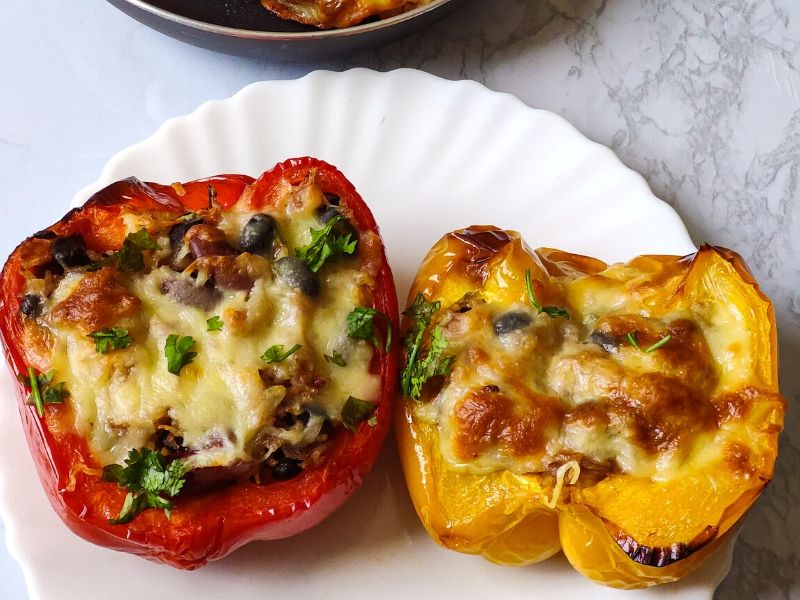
[(178, 351), (336, 358), (550, 311), (55, 393), (356, 411), (663, 341), (633, 339), (419, 368), (148, 479), (214, 323), (422, 311), (130, 257), (555, 311), (275, 353), (35, 393), (361, 326), (326, 244), (113, 338), (43, 390), (142, 240)]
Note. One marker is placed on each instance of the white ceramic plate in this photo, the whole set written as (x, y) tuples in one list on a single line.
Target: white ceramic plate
[(429, 156)]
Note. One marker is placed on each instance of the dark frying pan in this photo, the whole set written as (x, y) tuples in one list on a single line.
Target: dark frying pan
[(245, 28)]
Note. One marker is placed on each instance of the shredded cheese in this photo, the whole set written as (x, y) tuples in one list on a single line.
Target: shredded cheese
[(574, 469), (72, 481), (224, 400)]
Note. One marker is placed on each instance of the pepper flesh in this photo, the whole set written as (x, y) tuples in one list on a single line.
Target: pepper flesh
[(209, 526), (601, 525)]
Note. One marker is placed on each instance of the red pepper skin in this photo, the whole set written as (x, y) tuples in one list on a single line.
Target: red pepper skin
[(210, 526)]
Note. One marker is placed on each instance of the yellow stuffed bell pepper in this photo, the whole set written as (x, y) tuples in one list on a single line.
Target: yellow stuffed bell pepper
[(626, 414)]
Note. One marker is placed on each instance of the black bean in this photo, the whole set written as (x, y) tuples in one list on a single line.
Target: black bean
[(70, 251), (332, 198), (173, 443), (30, 305), (258, 234), (295, 273), (608, 342), (40, 271), (511, 321), (284, 421), (286, 468), (178, 231)]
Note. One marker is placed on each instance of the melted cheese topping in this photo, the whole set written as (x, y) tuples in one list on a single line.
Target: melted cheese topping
[(537, 395), (223, 405)]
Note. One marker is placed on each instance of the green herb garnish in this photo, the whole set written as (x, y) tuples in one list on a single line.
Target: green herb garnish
[(54, 393), (356, 411), (633, 340), (420, 369), (113, 338), (178, 351), (275, 353), (335, 358), (361, 326), (36, 395), (659, 343), (130, 257), (551, 311), (214, 323), (326, 244), (149, 481), (43, 390)]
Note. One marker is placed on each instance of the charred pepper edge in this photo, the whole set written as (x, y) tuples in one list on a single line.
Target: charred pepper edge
[(317, 489), (425, 497)]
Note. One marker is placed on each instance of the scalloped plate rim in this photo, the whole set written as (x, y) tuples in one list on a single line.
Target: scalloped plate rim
[(116, 164)]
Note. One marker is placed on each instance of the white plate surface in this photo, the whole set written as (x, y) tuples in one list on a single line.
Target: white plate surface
[(429, 156)]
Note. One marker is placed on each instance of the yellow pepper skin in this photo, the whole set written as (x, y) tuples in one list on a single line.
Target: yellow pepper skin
[(619, 529)]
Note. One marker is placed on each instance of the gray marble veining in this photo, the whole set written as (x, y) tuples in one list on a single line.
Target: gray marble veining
[(700, 96), (703, 99)]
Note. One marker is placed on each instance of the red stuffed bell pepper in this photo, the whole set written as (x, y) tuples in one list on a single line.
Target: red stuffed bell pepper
[(206, 364)]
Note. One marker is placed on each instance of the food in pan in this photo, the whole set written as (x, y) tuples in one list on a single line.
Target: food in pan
[(331, 14), (203, 364), (626, 414)]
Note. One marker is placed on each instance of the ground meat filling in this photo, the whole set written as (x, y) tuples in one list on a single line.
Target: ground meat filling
[(527, 391), (236, 273)]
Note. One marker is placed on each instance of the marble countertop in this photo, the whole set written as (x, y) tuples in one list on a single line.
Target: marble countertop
[(702, 98)]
